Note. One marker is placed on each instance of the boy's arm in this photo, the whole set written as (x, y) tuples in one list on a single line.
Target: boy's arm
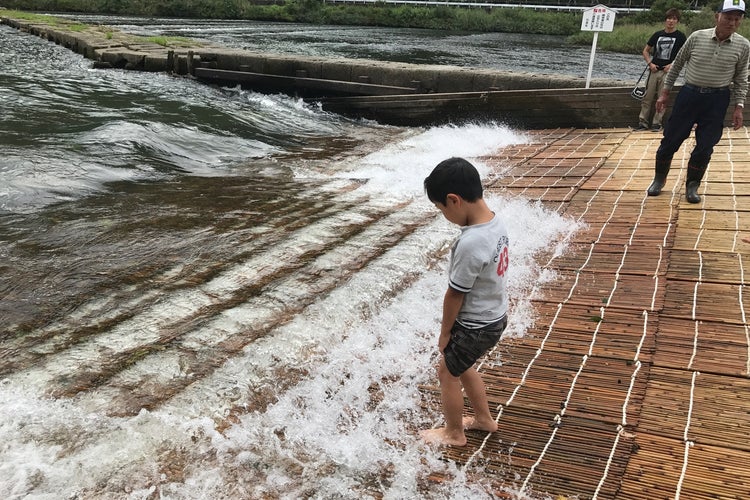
[(451, 306)]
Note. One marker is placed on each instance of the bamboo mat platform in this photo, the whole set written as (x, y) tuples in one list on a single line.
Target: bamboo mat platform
[(634, 383)]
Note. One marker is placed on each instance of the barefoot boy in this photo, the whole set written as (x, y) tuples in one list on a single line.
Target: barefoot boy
[(476, 302)]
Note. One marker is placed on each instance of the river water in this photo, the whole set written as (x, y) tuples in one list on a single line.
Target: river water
[(212, 293), (504, 51)]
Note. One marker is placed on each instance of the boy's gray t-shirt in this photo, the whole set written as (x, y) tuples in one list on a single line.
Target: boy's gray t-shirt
[(479, 268)]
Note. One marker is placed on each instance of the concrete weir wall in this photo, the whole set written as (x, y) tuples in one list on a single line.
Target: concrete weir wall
[(110, 48)]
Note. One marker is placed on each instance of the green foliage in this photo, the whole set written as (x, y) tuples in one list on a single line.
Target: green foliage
[(444, 13), (304, 10), (29, 16), (530, 21), (630, 34), (658, 8), (632, 38), (704, 19), (170, 41), (512, 20), (266, 13), (627, 38)]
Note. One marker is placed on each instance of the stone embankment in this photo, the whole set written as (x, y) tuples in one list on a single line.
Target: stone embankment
[(109, 48)]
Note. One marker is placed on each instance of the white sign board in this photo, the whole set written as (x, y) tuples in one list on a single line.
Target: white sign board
[(599, 18), (596, 19)]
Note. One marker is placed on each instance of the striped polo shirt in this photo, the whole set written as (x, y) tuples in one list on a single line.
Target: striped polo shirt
[(710, 63)]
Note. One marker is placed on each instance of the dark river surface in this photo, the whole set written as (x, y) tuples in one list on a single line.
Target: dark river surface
[(505, 51), (213, 293)]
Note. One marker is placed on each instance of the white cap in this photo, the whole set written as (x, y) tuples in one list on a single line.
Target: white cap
[(730, 5)]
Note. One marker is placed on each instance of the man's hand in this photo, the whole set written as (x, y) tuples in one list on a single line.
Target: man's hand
[(737, 117), (661, 102)]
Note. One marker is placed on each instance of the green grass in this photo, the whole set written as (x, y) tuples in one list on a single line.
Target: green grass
[(171, 41), (165, 41), (632, 38), (44, 19), (30, 16)]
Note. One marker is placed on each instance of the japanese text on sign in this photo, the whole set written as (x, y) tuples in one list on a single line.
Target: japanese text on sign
[(599, 18)]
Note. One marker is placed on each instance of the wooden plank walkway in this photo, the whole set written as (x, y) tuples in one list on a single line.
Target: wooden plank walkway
[(634, 383)]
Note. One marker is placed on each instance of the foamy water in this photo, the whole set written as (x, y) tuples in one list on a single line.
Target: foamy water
[(321, 402), (212, 293)]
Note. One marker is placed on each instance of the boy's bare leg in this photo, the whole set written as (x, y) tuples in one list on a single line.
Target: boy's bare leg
[(453, 408), (475, 390)]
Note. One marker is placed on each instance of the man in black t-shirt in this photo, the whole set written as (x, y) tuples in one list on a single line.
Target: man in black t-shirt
[(659, 53)]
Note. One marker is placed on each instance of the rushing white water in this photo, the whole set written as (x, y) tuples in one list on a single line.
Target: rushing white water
[(338, 381)]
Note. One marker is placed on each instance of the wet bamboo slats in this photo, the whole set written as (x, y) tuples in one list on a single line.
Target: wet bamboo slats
[(633, 381)]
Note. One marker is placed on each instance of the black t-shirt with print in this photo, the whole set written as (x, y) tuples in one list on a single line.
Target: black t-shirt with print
[(665, 46)]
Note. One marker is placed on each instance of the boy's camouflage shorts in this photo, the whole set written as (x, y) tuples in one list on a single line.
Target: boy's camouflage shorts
[(467, 345)]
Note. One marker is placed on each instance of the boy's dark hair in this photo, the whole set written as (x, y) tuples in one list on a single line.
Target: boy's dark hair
[(672, 13), (454, 175)]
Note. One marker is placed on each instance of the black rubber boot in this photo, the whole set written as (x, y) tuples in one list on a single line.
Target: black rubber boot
[(661, 169), (691, 192)]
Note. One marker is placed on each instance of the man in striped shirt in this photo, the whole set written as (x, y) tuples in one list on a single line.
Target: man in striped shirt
[(716, 72)]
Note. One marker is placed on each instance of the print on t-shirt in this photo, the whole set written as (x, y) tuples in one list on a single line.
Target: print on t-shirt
[(663, 49)]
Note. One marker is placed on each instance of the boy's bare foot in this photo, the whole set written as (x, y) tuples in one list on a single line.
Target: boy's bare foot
[(472, 423), (441, 436), (746, 239)]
